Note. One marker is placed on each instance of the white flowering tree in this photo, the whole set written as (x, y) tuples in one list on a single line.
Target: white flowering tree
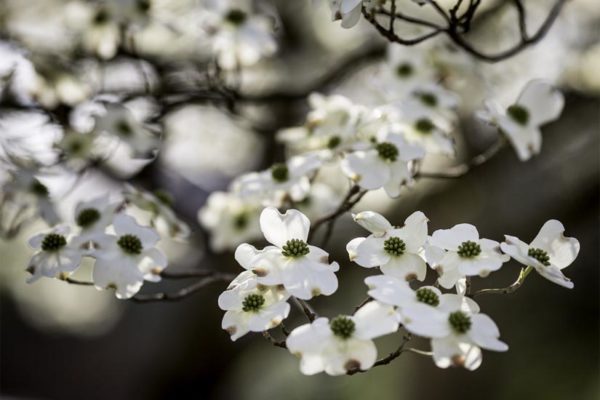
[(107, 106)]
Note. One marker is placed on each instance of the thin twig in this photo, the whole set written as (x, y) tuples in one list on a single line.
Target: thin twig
[(305, 308), (184, 292), (388, 359), (274, 342), (509, 289)]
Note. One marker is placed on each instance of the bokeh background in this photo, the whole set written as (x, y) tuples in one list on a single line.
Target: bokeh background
[(67, 342)]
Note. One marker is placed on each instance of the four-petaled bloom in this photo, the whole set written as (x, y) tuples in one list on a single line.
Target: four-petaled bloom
[(251, 306), (548, 253), (128, 258), (459, 252), (303, 270), (457, 331), (56, 257), (395, 250), (386, 165), (93, 217), (343, 344), (538, 104)]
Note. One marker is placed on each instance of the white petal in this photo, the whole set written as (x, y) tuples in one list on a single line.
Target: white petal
[(426, 321), (389, 290), (407, 266), (269, 317), (125, 224), (562, 250), (485, 333), (415, 229), (235, 323), (375, 319), (373, 222), (543, 101), (453, 302), (399, 176), (450, 239), (367, 169), (279, 228), (122, 275), (555, 275), (306, 279), (350, 19), (370, 253), (350, 354), (450, 352)]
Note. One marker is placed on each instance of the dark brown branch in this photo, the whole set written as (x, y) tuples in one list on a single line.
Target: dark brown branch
[(388, 359), (184, 292), (509, 289), (305, 308), (274, 342)]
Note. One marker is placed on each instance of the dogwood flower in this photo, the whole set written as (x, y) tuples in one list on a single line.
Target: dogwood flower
[(128, 258), (159, 205), (538, 104), (56, 257), (465, 254), (348, 11), (344, 343), (395, 250), (252, 307), (548, 253), (457, 332), (429, 131), (303, 270), (280, 182), (385, 165), (93, 217), (230, 220)]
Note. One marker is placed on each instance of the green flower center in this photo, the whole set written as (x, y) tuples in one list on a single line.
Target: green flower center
[(539, 255), (459, 321), (88, 217), (387, 151), (428, 296), (469, 249), (334, 142), (123, 128), (295, 248), (130, 244), (101, 16), (143, 5), (240, 221), (429, 99), (253, 303), (518, 113), (38, 188), (394, 246), (236, 17), (53, 242), (280, 173), (404, 70), (424, 125), (342, 327)]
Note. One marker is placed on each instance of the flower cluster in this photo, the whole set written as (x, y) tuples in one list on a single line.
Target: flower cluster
[(256, 299), (124, 251)]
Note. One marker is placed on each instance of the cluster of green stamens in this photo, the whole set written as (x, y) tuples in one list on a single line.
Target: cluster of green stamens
[(539, 255), (130, 244), (518, 113), (123, 128), (38, 188), (469, 249), (424, 125), (253, 302), (334, 142), (53, 242), (459, 321), (428, 296), (429, 99), (101, 16), (143, 5), (240, 221), (88, 217), (342, 327), (404, 70), (387, 151), (280, 172), (295, 248), (394, 246), (236, 17)]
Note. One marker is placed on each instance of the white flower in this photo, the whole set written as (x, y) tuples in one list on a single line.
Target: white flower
[(538, 104), (385, 165), (251, 306), (548, 253), (303, 270), (282, 181), (348, 11), (159, 205), (344, 343), (239, 37), (465, 254), (230, 220), (427, 129), (457, 332), (120, 122), (440, 101), (395, 250), (93, 217), (405, 68), (56, 257), (128, 258)]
